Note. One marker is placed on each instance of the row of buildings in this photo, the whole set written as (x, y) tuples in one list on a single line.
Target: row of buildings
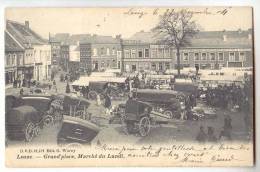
[(29, 56), (207, 50)]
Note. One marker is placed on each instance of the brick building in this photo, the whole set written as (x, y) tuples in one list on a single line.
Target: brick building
[(102, 52)]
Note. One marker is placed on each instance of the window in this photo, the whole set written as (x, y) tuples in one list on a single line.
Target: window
[(154, 53), (8, 60), (153, 66), (160, 52), (94, 52), (118, 64), (119, 54), (127, 54), (13, 60), (140, 53), (196, 56), (167, 52), (242, 56), (108, 52), (167, 65), (204, 56), (113, 51), (212, 66), (232, 57), (212, 56), (133, 53), (185, 56), (102, 51), (160, 66), (146, 52), (220, 56)]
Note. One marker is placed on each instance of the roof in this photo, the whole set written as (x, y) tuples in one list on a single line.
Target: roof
[(74, 39), (206, 39), (11, 44), (85, 123), (23, 34)]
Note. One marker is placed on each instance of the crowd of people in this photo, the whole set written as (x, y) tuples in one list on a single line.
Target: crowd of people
[(231, 97)]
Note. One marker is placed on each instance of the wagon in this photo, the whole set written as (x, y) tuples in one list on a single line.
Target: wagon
[(76, 107), (76, 132), (166, 102), (100, 85), (22, 122), (137, 117)]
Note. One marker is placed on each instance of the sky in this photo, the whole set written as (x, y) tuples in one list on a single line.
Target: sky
[(124, 21)]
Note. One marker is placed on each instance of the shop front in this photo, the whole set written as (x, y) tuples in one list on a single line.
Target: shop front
[(10, 76)]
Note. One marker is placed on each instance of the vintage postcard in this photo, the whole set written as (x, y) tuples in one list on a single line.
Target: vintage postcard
[(161, 86)]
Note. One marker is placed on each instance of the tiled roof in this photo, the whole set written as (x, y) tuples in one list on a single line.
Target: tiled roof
[(23, 35), (206, 39), (11, 44), (83, 38)]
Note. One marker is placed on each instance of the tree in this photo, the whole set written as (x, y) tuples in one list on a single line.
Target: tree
[(175, 29)]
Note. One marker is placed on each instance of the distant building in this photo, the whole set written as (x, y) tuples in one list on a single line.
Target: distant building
[(104, 52), (14, 58), (37, 52), (208, 50), (85, 57), (64, 56), (74, 58)]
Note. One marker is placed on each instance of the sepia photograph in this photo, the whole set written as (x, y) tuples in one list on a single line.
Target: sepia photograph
[(132, 86)]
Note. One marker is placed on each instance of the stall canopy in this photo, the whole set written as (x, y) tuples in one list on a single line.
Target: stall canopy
[(84, 81)]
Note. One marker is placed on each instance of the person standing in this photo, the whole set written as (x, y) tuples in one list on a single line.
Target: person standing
[(54, 86), (201, 137), (211, 135), (107, 103), (67, 88), (226, 132)]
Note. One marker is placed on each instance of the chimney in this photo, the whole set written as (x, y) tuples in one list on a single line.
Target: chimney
[(239, 31), (118, 36), (26, 23), (224, 37)]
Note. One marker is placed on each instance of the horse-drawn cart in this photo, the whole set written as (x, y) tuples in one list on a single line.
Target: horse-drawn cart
[(139, 117)]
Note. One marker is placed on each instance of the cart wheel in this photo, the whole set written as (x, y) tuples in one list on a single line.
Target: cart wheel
[(168, 113), (29, 131), (130, 126), (37, 130), (92, 95), (144, 126), (47, 120)]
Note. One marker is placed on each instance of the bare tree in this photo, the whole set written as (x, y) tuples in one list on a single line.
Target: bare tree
[(175, 29)]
